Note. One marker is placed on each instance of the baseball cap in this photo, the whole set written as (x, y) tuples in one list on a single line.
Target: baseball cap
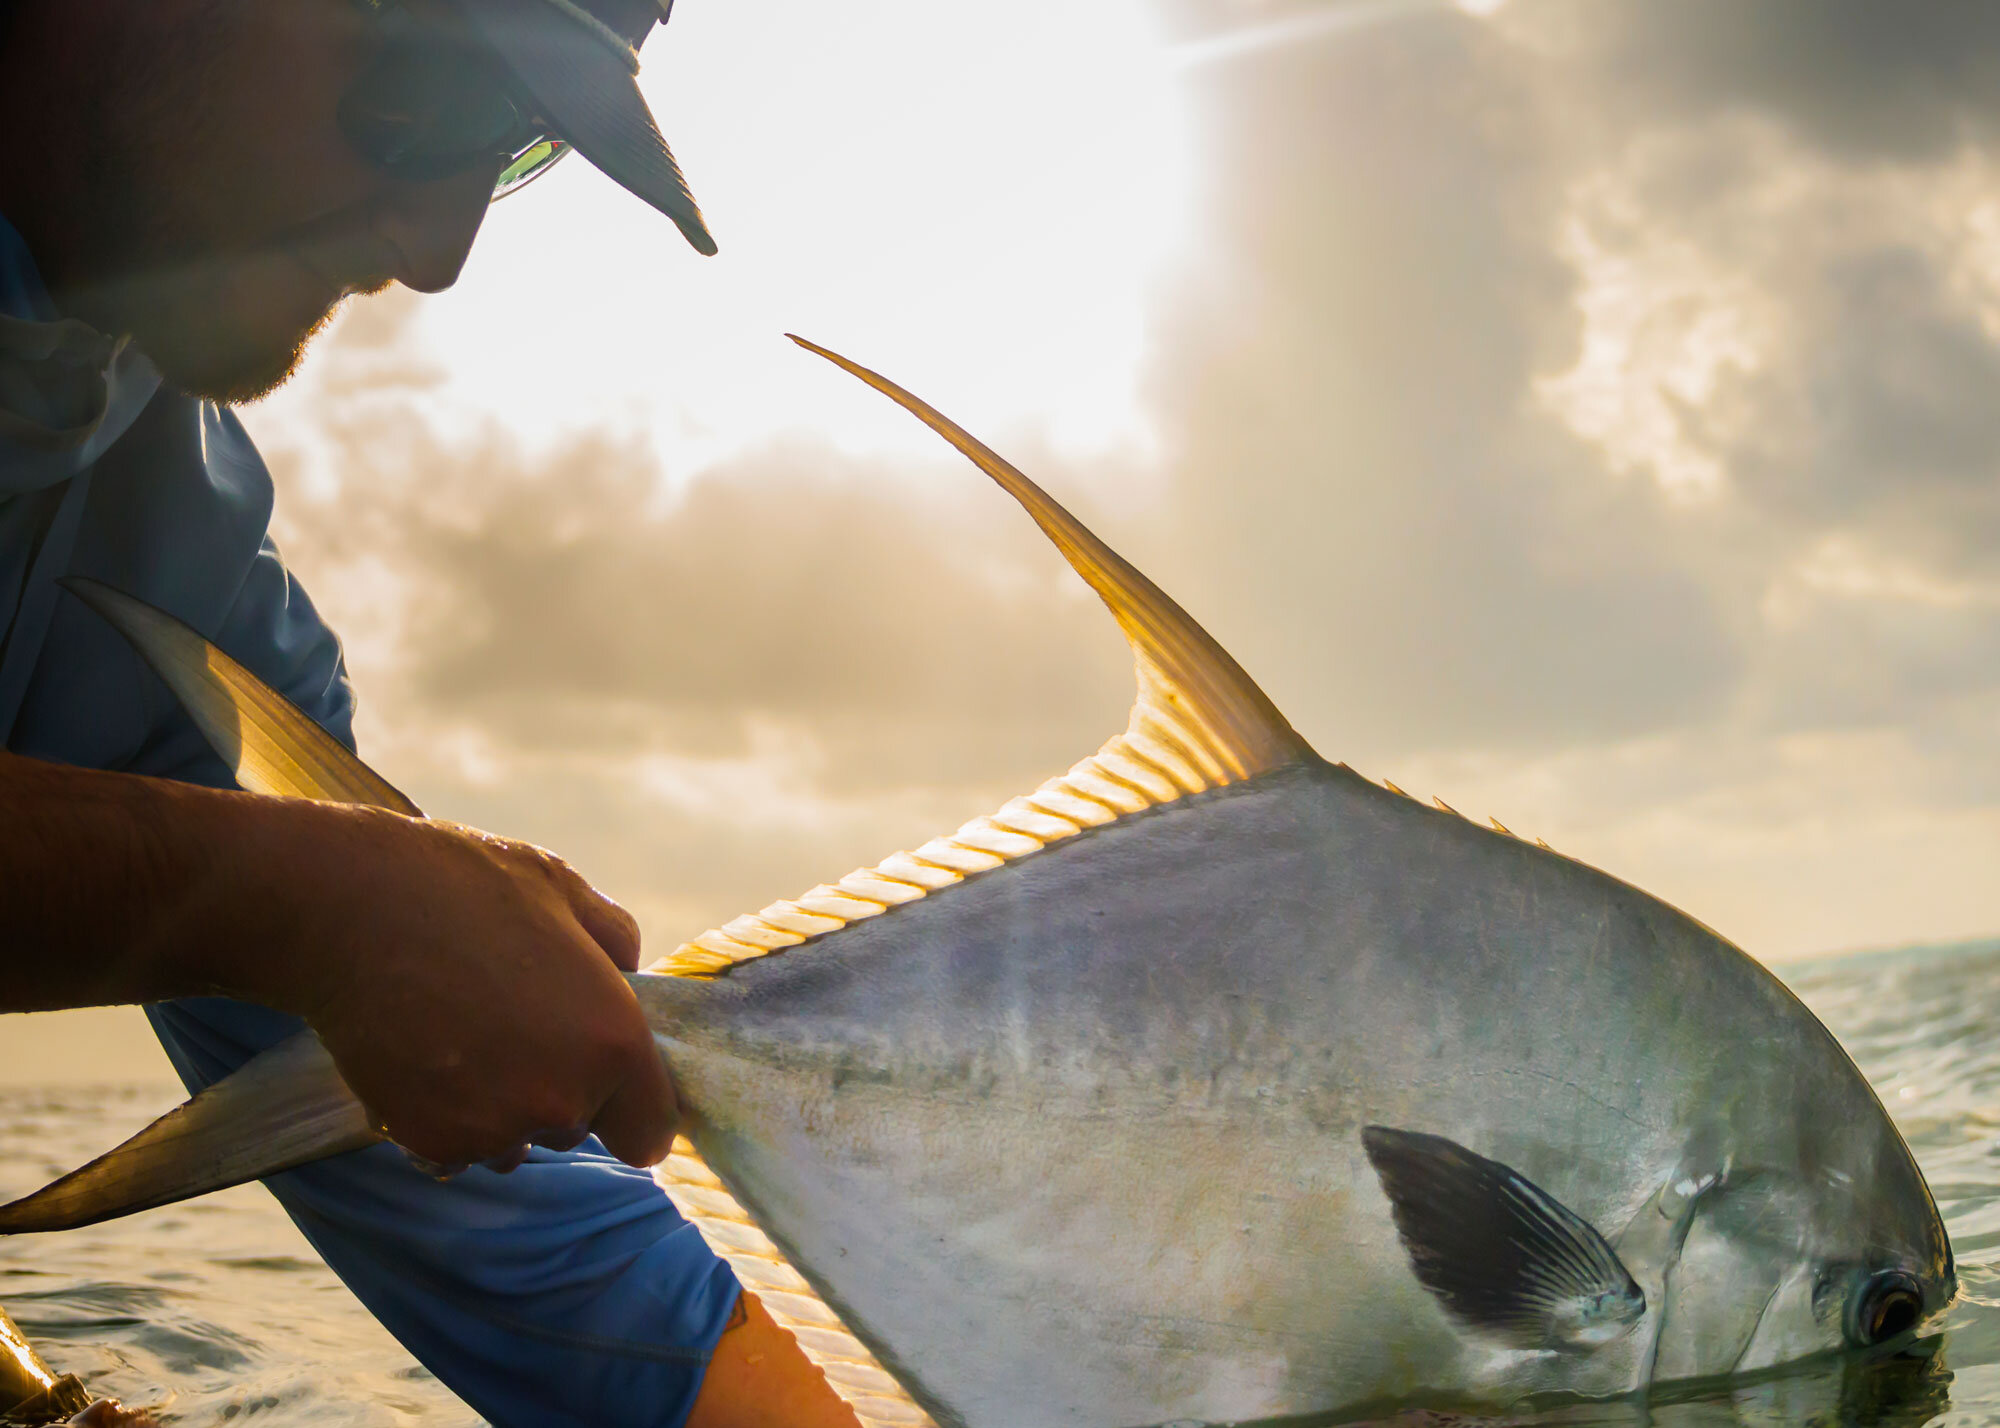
[(579, 60)]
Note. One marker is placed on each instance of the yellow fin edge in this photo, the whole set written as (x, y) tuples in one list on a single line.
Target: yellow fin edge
[(268, 743), (1199, 722), (851, 1370), (1123, 777)]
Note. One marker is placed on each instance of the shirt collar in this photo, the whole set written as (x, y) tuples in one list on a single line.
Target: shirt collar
[(67, 392)]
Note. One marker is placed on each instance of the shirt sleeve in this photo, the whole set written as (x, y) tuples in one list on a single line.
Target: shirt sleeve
[(569, 1292)]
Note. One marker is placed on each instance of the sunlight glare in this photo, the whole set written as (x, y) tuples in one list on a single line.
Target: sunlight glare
[(980, 202)]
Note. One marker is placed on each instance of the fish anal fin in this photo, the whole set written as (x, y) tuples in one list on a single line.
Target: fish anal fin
[(1498, 1252), (877, 1399)]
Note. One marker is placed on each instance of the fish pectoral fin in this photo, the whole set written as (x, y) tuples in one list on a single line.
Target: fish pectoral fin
[(269, 743), (1501, 1254), (285, 1108)]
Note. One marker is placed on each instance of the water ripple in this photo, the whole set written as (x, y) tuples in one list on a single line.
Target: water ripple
[(219, 1311), (210, 1313)]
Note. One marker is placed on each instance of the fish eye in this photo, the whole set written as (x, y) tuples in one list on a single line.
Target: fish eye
[(1889, 1304)]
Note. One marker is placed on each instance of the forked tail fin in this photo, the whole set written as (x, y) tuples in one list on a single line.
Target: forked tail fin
[(270, 745), (285, 1108), (289, 1106)]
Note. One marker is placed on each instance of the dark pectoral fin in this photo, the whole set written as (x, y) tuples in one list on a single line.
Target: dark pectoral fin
[(1501, 1254)]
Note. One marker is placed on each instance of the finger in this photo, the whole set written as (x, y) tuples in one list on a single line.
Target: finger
[(609, 925), (567, 1139), (638, 1123), (435, 1169), (441, 1148), (508, 1163), (423, 1145)]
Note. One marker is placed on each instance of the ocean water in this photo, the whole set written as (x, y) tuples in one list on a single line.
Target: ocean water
[(211, 1311), (217, 1310)]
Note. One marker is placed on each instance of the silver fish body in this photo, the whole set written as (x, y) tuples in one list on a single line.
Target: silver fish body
[(1079, 1142), (1210, 1081)]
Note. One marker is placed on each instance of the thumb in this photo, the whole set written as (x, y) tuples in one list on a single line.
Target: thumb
[(639, 1122)]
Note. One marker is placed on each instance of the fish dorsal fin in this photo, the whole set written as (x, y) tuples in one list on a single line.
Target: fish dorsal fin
[(1213, 724), (1199, 722), (269, 743)]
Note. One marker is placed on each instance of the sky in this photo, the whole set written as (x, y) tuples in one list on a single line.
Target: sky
[(1579, 410)]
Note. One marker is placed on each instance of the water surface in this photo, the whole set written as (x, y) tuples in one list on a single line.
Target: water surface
[(213, 1310), (218, 1309)]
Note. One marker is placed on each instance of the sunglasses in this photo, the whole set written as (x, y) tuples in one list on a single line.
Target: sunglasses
[(433, 102)]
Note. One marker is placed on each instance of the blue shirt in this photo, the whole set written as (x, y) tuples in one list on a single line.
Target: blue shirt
[(566, 1293)]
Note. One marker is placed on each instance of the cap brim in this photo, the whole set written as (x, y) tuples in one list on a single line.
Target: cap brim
[(590, 97)]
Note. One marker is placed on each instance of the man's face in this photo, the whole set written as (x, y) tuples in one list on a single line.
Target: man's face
[(219, 214)]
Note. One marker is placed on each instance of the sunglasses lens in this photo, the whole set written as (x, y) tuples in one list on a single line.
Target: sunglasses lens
[(528, 165)]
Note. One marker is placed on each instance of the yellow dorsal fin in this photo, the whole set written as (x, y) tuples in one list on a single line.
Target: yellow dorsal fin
[(1199, 722), (1392, 788), (1190, 690), (268, 743)]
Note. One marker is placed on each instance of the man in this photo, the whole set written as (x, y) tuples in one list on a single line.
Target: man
[(188, 188)]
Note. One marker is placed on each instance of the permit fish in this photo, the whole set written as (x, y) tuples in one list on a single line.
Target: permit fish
[(1210, 1081)]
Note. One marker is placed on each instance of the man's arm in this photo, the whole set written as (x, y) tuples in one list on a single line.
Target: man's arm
[(140, 889), (466, 985), (568, 1294)]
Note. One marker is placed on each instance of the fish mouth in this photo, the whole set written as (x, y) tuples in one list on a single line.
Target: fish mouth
[(1719, 1296), (1746, 1358), (1753, 1268)]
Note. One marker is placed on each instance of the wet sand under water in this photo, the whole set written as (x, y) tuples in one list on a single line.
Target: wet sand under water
[(218, 1309)]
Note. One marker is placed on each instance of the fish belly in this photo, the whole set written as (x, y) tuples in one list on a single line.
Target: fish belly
[(1017, 1261), (1078, 1142)]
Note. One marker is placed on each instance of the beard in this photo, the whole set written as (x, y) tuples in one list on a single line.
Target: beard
[(205, 328), (230, 373)]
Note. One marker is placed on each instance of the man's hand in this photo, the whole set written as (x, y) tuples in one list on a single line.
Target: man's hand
[(467, 986)]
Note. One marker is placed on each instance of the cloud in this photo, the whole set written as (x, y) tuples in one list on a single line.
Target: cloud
[(1871, 82), (709, 694), (1356, 438), (1579, 410), (1589, 410)]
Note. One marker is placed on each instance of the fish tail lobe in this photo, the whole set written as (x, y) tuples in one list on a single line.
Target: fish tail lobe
[(285, 1108)]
